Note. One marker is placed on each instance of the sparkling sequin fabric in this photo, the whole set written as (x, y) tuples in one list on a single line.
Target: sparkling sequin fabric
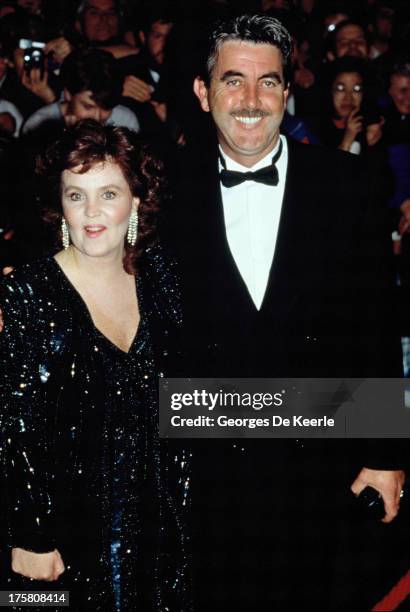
[(85, 470)]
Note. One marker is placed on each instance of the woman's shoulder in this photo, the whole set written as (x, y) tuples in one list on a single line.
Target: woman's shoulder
[(30, 284), (30, 277)]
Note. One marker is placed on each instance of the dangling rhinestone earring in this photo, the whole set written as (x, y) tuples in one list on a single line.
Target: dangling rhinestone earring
[(65, 234), (132, 228)]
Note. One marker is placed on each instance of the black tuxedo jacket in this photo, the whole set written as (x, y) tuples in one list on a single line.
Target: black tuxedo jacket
[(326, 313), (328, 308), (327, 297)]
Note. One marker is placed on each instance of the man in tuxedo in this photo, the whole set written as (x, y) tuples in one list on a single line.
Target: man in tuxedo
[(282, 276)]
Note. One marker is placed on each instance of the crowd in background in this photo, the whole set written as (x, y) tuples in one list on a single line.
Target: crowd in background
[(132, 64)]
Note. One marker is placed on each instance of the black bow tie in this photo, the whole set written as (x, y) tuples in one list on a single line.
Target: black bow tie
[(267, 175)]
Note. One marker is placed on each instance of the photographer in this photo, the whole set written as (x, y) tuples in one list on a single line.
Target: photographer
[(28, 84)]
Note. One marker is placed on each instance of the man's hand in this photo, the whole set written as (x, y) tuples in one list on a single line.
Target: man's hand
[(38, 566), (59, 47), (38, 84), (137, 89), (388, 483), (161, 110)]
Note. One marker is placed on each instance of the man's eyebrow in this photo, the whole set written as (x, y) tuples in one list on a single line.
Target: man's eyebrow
[(229, 74), (271, 75)]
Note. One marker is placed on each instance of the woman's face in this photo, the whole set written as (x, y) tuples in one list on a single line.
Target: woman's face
[(347, 93), (97, 206)]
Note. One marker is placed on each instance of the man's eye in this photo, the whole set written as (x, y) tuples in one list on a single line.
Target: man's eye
[(109, 195), (233, 82), (269, 83)]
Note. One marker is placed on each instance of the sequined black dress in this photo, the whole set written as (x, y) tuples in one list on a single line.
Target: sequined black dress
[(85, 470)]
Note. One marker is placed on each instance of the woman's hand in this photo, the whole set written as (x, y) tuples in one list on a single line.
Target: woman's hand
[(38, 566), (374, 133), (354, 125)]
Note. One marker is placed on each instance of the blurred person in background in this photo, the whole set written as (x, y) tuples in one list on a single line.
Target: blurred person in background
[(349, 38), (144, 90), (27, 86), (91, 90), (381, 28), (100, 23), (350, 119)]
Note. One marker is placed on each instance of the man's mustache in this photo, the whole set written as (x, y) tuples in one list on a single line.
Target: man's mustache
[(250, 113)]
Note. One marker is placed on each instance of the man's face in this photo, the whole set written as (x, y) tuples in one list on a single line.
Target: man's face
[(247, 99), (82, 106), (100, 21), (400, 92), (351, 40), (156, 39)]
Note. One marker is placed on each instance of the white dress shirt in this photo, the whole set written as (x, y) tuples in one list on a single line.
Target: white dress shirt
[(252, 213)]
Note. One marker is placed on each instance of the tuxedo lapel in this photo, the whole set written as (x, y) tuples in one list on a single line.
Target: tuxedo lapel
[(287, 273), (226, 278)]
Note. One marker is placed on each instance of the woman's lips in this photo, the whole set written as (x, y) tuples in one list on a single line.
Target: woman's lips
[(94, 231)]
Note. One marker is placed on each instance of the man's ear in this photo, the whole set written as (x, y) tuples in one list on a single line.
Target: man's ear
[(201, 92), (67, 95), (330, 56)]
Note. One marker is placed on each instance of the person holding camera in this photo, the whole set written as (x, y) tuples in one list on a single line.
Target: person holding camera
[(92, 90)]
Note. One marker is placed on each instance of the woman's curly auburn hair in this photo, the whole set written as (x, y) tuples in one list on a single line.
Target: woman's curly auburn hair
[(89, 143)]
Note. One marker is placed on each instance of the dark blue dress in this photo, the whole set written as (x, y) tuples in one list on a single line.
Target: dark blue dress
[(85, 470)]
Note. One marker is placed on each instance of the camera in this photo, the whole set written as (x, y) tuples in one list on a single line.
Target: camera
[(33, 55)]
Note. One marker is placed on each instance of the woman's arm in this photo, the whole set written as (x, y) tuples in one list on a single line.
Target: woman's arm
[(26, 356)]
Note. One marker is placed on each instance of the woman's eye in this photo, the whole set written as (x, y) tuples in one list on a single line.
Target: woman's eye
[(109, 195), (75, 196)]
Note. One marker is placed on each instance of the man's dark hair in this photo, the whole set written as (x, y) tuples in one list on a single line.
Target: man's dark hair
[(92, 70), (257, 29), (84, 5), (401, 68), (155, 12)]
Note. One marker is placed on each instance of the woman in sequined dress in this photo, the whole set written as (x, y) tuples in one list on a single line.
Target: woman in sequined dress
[(96, 502)]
